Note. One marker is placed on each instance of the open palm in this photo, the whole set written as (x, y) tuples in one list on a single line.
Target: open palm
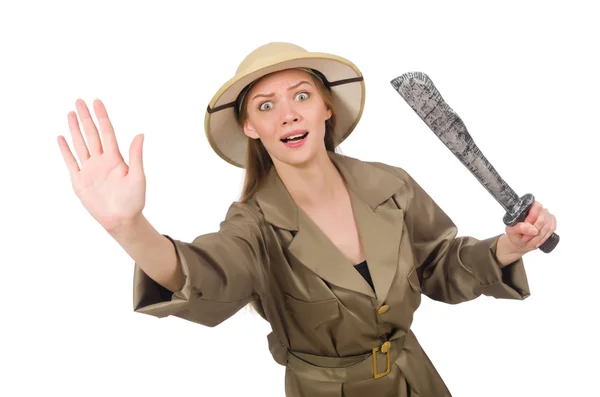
[(111, 191)]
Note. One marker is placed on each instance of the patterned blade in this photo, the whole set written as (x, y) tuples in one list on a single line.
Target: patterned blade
[(423, 97)]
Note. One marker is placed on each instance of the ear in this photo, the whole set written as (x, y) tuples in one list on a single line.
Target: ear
[(329, 113), (249, 130)]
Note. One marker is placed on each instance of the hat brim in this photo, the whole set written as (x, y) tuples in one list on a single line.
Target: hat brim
[(347, 85)]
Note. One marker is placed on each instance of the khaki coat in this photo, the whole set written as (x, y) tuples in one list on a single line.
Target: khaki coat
[(335, 335)]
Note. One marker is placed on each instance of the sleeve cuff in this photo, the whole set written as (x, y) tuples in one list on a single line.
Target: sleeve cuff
[(149, 297), (153, 299), (508, 282)]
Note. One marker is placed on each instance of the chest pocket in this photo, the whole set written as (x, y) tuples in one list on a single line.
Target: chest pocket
[(312, 314)]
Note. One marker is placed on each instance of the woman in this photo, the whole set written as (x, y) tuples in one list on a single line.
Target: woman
[(332, 251)]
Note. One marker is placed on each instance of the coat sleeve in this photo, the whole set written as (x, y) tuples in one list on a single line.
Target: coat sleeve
[(222, 272), (455, 269)]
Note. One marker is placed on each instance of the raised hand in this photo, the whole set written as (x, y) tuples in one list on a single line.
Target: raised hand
[(113, 192)]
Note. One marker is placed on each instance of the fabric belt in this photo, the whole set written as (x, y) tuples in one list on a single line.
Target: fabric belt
[(375, 364)]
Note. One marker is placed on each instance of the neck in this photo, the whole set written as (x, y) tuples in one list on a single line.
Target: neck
[(312, 184)]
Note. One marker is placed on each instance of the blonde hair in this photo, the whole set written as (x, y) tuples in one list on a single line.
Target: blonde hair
[(258, 160)]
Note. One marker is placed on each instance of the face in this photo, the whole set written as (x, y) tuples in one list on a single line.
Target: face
[(287, 113)]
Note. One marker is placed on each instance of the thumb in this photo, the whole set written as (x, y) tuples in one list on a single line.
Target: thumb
[(136, 164), (527, 228)]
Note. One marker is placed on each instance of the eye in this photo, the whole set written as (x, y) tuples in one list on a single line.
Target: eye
[(302, 96), (265, 105)]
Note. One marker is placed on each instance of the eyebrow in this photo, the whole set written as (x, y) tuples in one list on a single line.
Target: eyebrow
[(289, 89)]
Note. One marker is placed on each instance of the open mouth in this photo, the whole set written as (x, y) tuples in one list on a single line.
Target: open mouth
[(295, 138)]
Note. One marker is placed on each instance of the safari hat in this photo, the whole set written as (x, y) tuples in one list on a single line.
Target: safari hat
[(341, 76)]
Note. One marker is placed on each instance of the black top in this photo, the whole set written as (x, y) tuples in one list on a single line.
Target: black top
[(363, 269)]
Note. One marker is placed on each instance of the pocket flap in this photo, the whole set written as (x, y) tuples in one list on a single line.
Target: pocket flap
[(313, 313)]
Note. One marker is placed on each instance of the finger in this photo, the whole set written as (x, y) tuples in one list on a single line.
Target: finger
[(526, 238), (526, 228), (78, 141), (68, 157), (106, 128), (136, 166), (551, 229), (522, 230), (91, 133), (534, 212), (543, 225), (527, 231)]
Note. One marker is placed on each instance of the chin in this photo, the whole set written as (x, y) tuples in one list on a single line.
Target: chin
[(294, 161), (299, 159)]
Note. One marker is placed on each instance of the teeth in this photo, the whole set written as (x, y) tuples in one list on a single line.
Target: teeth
[(289, 138)]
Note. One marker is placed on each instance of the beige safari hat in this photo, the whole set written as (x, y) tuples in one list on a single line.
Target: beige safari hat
[(342, 77)]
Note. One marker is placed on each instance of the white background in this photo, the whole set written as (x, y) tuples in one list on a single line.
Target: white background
[(523, 76)]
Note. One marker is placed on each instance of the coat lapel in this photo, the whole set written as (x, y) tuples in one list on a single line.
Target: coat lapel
[(312, 247), (380, 228), (380, 231)]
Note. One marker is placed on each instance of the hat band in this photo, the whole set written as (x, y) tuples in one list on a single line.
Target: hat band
[(235, 103)]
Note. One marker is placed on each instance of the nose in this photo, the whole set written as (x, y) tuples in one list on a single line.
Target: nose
[(289, 115), (290, 120)]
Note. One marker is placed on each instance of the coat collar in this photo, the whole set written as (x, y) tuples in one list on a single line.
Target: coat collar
[(369, 182), (380, 229)]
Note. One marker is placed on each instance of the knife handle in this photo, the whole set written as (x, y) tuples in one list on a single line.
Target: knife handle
[(550, 243), (510, 220)]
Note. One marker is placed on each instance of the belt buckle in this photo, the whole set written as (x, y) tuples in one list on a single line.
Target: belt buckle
[(385, 348)]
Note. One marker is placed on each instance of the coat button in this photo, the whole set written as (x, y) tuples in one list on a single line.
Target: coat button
[(383, 309), (386, 347)]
